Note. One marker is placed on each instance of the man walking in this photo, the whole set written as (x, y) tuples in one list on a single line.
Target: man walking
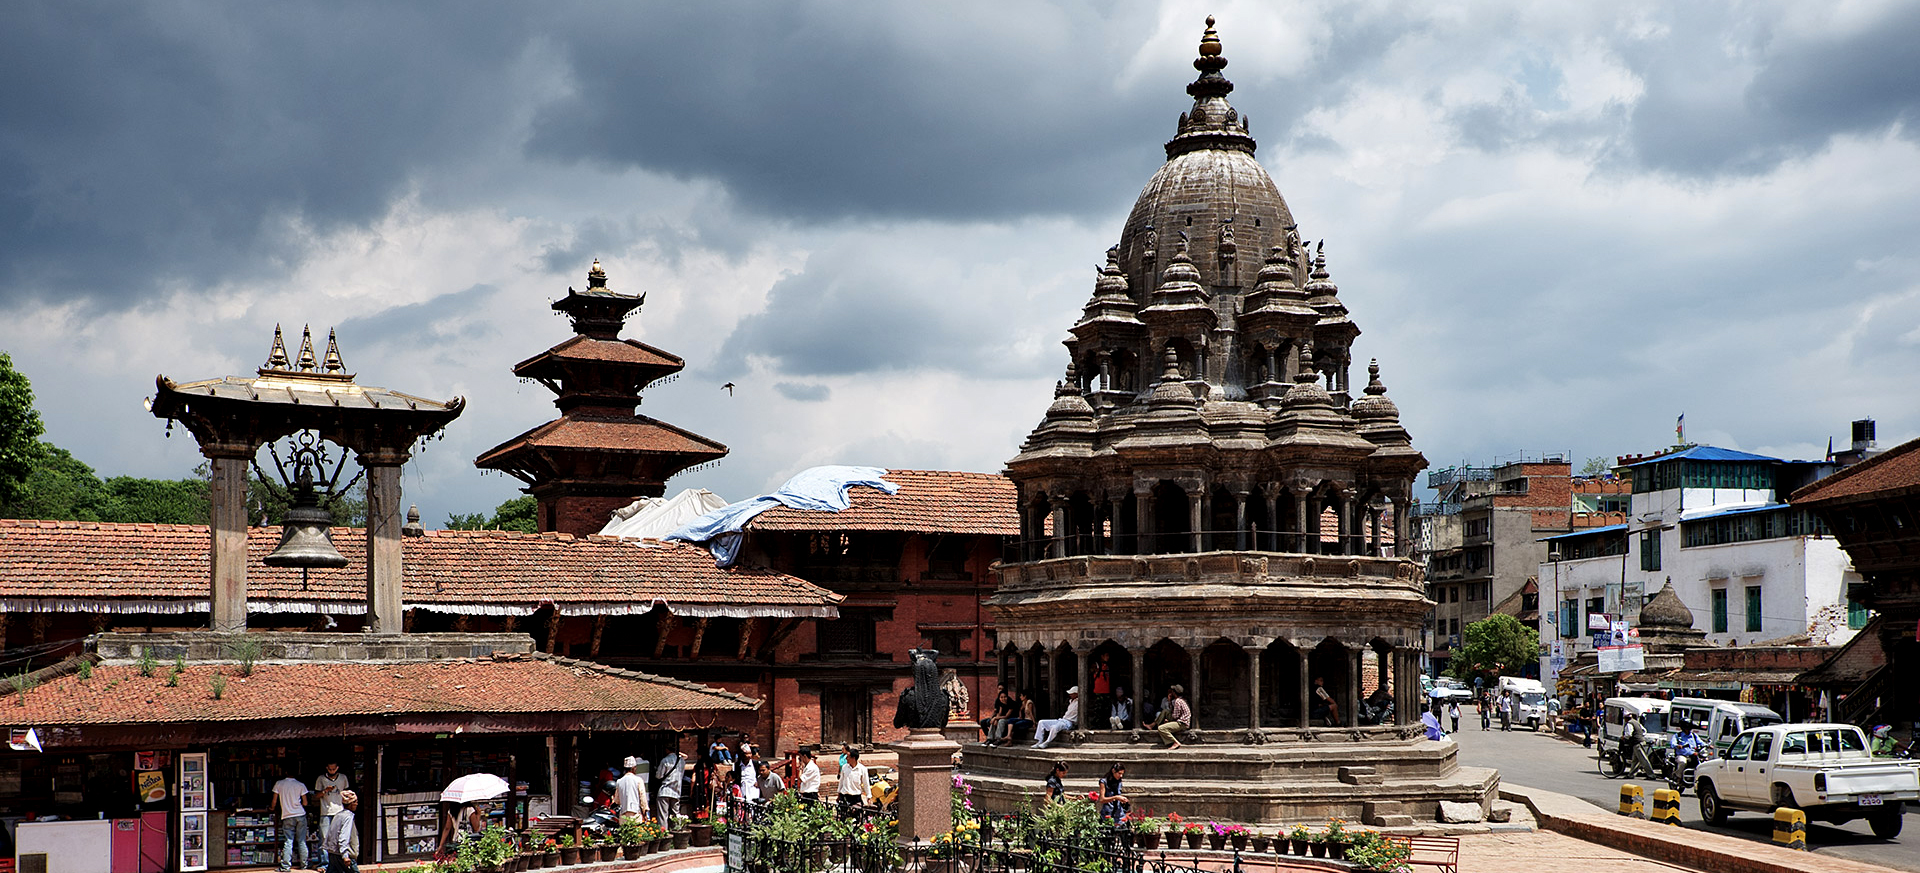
[(1174, 716), (327, 790), (1506, 710), (809, 775), (290, 808), (1051, 727), (1453, 713), (668, 775), (854, 782), (343, 838)]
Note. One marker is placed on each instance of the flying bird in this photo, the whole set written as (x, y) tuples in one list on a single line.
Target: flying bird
[(729, 387)]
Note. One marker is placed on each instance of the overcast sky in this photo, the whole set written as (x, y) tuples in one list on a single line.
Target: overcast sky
[(1559, 225)]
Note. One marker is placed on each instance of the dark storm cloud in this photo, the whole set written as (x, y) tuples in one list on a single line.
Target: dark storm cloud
[(142, 144), (1702, 117), (837, 317), (808, 110)]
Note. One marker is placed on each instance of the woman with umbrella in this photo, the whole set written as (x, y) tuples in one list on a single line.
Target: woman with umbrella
[(460, 813)]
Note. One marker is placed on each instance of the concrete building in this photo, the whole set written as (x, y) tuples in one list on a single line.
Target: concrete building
[(1485, 536), (1714, 522)]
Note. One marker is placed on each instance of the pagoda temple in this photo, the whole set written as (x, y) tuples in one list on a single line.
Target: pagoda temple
[(1207, 505), (599, 455)]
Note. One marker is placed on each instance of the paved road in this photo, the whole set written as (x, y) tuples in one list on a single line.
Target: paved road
[(1541, 761)]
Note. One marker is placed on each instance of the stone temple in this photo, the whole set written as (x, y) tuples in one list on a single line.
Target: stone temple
[(1206, 503)]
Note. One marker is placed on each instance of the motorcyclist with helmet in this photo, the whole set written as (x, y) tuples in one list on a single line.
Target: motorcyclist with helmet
[(1688, 747)]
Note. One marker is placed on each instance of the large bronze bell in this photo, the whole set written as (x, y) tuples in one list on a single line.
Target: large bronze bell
[(304, 540)]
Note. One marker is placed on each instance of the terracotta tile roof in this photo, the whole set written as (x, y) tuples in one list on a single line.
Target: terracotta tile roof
[(929, 501), (117, 693), (586, 348), (67, 564), (1894, 471), (636, 434)]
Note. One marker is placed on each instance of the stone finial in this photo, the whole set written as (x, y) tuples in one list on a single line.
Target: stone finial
[(277, 356), (1373, 378), (305, 363), (596, 276), (1070, 384), (332, 363), (1170, 372), (1210, 59), (412, 528), (1306, 373)]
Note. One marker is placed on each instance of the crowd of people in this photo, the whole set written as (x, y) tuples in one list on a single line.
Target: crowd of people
[(327, 809), (1015, 712)]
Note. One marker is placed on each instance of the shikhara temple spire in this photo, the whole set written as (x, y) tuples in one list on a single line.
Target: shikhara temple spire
[(1212, 123)]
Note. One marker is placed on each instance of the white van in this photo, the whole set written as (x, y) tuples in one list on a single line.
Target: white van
[(1529, 700), (1613, 728), (1721, 720)]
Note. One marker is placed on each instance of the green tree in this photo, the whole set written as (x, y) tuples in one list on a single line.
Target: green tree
[(59, 487), (158, 501), (1495, 645), (1595, 467), (514, 514), (20, 431)]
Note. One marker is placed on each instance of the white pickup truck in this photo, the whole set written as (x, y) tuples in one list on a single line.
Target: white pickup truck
[(1823, 770)]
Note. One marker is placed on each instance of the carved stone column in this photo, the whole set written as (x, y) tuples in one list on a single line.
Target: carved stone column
[(1196, 497), (1253, 686), (1272, 491), (1118, 504), (1193, 687), (1080, 660), (1306, 687), (1143, 531), (1062, 534), (1240, 520), (1309, 523), (1355, 661), (1139, 657)]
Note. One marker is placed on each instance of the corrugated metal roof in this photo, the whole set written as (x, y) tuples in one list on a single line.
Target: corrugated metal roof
[(1580, 533), (1707, 453)]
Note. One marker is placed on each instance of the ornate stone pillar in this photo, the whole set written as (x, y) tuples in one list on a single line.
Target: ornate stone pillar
[(1355, 662), (1105, 359), (1253, 685), (1343, 524), (1309, 524), (384, 604), (1142, 520), (1373, 532), (1080, 660), (1195, 515), (227, 598), (1193, 687), (1053, 682), (1401, 548), (1240, 520), (1062, 534), (1272, 492), (1115, 505), (1139, 657), (1306, 686)]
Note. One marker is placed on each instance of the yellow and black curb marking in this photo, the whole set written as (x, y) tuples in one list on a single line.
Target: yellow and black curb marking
[(1790, 828), (1632, 801), (1666, 806)]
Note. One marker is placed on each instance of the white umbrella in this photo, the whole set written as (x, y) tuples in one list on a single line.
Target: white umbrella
[(478, 786)]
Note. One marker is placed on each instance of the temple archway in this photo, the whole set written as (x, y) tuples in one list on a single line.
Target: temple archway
[(1328, 666), (1109, 670), (1224, 689), (1172, 525), (1280, 685), (1167, 663)]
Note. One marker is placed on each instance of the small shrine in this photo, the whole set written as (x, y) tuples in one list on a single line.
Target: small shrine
[(599, 455), (316, 398)]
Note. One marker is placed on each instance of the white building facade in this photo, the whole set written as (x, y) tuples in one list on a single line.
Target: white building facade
[(1715, 523)]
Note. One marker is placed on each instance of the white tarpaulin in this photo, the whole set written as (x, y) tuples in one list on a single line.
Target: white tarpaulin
[(655, 517)]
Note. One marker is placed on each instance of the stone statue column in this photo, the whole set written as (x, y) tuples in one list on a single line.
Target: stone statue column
[(1306, 689), (1080, 660), (1194, 496), (1373, 532), (1053, 682), (1240, 520), (227, 596), (1193, 687), (384, 604), (1309, 526), (1272, 492), (1105, 358), (1139, 657), (1353, 686), (1401, 548), (1143, 521), (1253, 685), (1058, 548)]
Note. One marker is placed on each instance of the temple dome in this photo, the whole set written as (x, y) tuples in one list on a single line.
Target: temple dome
[(1666, 611), (1212, 189)]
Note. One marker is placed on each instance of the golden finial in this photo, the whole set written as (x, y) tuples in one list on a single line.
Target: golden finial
[(277, 356), (1209, 41)]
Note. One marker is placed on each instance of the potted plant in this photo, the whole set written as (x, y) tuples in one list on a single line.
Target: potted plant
[(550, 853), (1297, 840), (604, 849), (1146, 832), (682, 830), (1237, 834), (702, 830), (627, 834), (661, 839), (1192, 830), (1175, 829), (569, 853), (1337, 838), (1374, 851), (1216, 835), (1318, 844)]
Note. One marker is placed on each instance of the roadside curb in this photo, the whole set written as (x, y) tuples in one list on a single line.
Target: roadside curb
[(1687, 847)]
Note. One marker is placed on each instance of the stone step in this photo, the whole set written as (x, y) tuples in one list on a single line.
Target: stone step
[(1391, 821), (1360, 776)]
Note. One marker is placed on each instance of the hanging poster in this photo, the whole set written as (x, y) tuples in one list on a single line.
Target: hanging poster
[(150, 786), (193, 811), (1621, 652), (144, 761)]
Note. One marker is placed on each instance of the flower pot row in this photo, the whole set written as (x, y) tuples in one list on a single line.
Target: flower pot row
[(595, 854), (1241, 842)]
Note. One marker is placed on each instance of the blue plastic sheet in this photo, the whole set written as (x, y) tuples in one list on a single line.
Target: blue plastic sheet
[(822, 489)]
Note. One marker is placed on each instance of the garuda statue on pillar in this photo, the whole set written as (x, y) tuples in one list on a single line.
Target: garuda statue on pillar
[(925, 704)]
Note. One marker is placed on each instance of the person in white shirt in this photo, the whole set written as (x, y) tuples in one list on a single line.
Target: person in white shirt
[(290, 802), (1122, 710), (1048, 728), (750, 765), (854, 782), (668, 774), (630, 793), (809, 775), (327, 791), (343, 838)]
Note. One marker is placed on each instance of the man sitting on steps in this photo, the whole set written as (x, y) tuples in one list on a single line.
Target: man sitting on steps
[(1175, 716)]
